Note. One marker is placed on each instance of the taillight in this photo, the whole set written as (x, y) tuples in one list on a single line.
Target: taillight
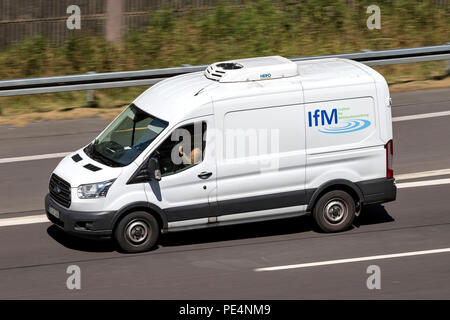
[(389, 159)]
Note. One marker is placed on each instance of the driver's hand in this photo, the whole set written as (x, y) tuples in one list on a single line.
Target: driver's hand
[(180, 151)]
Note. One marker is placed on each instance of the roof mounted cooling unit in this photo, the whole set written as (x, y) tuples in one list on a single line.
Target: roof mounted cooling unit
[(253, 69)]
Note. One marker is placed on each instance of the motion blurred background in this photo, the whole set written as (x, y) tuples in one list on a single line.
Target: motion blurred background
[(123, 35)]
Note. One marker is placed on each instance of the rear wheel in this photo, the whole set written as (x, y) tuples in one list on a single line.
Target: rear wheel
[(137, 232), (334, 211)]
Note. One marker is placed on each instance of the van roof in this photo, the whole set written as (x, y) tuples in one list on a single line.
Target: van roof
[(180, 97), (333, 72), (174, 97)]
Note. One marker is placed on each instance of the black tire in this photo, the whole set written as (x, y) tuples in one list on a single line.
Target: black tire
[(137, 232), (334, 211)]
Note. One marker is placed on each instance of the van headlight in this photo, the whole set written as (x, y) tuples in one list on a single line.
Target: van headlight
[(94, 190)]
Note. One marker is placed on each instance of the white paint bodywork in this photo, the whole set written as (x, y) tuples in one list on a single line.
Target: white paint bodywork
[(306, 158)]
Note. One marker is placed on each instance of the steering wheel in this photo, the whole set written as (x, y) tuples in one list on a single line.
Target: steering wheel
[(156, 154), (113, 147)]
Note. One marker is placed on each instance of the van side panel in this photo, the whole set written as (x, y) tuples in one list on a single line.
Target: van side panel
[(354, 165), (343, 141), (263, 159), (384, 109), (383, 100), (340, 125)]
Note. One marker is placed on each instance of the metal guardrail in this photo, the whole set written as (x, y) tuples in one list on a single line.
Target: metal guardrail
[(108, 80)]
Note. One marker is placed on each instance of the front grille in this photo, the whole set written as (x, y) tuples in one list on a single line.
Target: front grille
[(60, 190)]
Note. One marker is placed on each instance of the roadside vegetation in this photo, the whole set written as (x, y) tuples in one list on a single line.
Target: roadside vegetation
[(204, 35)]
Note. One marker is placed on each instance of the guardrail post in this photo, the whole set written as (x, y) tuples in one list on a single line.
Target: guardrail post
[(447, 64), (114, 21), (90, 96)]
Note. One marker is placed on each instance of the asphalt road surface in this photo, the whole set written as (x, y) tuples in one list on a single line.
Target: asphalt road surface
[(408, 239)]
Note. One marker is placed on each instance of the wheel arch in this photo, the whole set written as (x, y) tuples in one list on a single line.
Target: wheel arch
[(338, 184), (152, 209)]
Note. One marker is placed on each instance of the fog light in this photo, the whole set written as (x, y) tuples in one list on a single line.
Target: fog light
[(86, 225)]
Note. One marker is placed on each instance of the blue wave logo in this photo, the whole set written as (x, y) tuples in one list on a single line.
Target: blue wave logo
[(349, 126)]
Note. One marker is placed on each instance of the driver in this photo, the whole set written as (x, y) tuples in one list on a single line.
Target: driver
[(195, 155)]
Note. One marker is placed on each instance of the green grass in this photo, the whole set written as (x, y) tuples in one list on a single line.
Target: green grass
[(202, 36)]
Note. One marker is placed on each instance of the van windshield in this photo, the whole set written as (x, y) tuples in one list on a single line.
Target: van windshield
[(125, 139)]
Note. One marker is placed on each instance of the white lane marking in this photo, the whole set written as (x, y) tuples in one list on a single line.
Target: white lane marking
[(421, 116), (63, 154), (423, 183), (340, 261), (36, 157), (42, 218), (422, 174)]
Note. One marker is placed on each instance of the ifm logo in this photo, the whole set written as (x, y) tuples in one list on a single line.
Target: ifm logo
[(313, 118)]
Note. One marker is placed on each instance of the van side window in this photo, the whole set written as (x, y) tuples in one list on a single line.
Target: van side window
[(184, 148)]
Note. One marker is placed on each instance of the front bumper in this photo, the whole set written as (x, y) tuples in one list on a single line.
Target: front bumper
[(87, 224)]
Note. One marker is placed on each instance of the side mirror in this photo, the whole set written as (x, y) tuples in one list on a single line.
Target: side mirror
[(153, 169)]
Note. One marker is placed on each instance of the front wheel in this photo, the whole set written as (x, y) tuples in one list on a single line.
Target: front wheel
[(334, 211), (137, 232)]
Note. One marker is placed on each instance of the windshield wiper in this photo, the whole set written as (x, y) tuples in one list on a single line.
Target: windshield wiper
[(94, 154)]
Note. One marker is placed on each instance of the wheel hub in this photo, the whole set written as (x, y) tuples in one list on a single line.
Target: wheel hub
[(335, 211), (136, 232)]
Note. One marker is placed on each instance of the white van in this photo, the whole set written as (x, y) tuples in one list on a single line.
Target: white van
[(245, 140)]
